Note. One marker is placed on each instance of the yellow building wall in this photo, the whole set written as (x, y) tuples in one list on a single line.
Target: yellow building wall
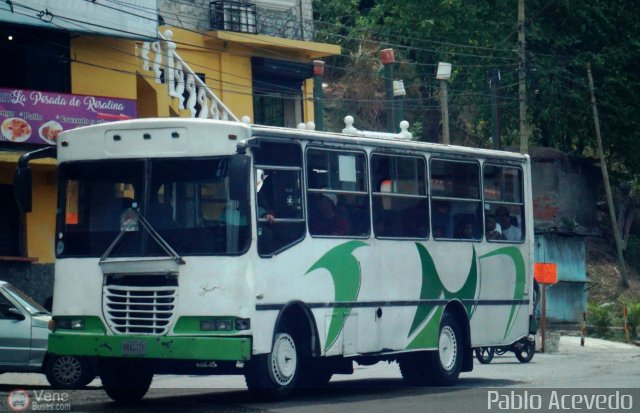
[(227, 68), (237, 84), (104, 66), (307, 103), (41, 222)]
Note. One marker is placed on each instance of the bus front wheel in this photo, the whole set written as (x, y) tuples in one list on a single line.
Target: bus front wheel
[(125, 382), (276, 374)]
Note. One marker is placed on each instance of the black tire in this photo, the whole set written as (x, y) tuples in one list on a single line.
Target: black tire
[(484, 354), (414, 368), (525, 350), (275, 375), (446, 363), (67, 372), (315, 373), (125, 381)]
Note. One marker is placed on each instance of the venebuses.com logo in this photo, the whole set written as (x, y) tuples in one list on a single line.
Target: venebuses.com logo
[(18, 400), (38, 400)]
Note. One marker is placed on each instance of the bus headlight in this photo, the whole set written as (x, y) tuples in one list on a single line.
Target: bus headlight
[(224, 324), (69, 324)]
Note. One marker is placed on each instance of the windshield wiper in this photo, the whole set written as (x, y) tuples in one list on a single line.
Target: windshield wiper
[(132, 219)]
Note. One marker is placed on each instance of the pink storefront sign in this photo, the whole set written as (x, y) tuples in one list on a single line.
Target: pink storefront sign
[(36, 117)]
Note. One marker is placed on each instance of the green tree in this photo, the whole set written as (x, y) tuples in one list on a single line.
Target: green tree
[(562, 36)]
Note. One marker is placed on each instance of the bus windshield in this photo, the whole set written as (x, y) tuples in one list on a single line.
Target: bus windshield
[(185, 200)]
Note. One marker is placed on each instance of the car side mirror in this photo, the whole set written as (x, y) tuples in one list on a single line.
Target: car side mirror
[(15, 314)]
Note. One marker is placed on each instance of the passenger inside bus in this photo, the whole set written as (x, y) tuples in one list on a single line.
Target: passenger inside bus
[(465, 228), (492, 230), (441, 219), (324, 218), (509, 231)]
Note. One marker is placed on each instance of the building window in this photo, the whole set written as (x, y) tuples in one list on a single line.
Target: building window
[(277, 91), (268, 110), (39, 59)]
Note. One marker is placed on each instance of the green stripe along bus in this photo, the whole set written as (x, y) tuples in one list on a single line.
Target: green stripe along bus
[(215, 247)]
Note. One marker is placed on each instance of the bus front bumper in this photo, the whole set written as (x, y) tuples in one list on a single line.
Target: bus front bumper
[(152, 347)]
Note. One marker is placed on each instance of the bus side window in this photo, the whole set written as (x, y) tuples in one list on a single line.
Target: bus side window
[(456, 201), (337, 193), (400, 203), (503, 198), (278, 196)]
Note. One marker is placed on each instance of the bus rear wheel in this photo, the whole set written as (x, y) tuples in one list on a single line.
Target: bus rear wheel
[(438, 368), (276, 374), (125, 382), (446, 363)]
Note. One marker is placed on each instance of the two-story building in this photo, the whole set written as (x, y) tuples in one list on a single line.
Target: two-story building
[(71, 63)]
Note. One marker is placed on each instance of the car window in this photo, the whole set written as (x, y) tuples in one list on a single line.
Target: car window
[(5, 305), (27, 302)]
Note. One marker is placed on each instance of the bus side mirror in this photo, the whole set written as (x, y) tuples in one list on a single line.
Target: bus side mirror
[(239, 173), (22, 188), (22, 177)]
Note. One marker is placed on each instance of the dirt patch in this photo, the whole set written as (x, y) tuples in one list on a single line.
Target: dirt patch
[(603, 274)]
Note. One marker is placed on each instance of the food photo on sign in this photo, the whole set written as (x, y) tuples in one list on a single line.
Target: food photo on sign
[(36, 117)]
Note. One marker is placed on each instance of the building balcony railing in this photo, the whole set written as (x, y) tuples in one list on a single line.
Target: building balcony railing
[(243, 17)]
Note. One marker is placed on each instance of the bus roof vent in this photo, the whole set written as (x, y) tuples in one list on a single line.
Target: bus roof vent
[(404, 134)]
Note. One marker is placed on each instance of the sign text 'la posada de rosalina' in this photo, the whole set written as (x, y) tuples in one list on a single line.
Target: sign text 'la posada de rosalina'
[(36, 117)]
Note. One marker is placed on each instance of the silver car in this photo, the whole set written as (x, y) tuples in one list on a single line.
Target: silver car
[(23, 342)]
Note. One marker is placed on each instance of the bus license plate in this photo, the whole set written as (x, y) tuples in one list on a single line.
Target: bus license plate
[(134, 347)]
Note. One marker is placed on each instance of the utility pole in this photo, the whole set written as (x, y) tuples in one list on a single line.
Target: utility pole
[(318, 94), (494, 80), (443, 75), (607, 187), (388, 59), (398, 97), (522, 88)]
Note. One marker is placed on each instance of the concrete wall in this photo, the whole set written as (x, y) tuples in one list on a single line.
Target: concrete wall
[(36, 280), (564, 192)]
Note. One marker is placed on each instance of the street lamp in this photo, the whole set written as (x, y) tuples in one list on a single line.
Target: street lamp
[(444, 74)]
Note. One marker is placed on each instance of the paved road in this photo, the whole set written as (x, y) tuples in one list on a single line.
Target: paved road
[(379, 388)]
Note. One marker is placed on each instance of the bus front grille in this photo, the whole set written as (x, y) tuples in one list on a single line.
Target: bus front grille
[(139, 310)]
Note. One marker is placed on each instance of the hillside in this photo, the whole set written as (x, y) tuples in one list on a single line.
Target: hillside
[(604, 277)]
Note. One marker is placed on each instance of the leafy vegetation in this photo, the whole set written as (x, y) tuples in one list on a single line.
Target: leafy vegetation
[(562, 36), (600, 317), (633, 319)]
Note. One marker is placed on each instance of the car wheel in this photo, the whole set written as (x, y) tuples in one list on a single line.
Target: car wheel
[(67, 372)]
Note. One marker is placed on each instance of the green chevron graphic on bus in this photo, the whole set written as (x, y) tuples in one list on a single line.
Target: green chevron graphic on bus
[(432, 288), (518, 290), (346, 274)]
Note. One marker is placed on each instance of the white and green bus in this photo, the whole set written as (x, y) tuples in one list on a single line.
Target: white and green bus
[(196, 246)]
